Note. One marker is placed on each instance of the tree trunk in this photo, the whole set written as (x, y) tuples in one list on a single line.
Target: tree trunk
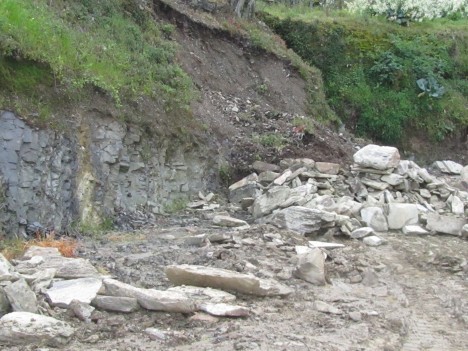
[(243, 8)]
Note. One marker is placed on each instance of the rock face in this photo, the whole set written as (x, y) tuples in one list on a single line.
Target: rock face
[(21, 328), (225, 280), (378, 157), (104, 165)]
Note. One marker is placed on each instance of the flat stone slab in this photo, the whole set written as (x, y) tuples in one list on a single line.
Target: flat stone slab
[(449, 167), (414, 230), (225, 280), (373, 241), (199, 294), (362, 232), (225, 310), (151, 299), (22, 328), (321, 244), (378, 157), (445, 224), (227, 221), (63, 292), (116, 303)]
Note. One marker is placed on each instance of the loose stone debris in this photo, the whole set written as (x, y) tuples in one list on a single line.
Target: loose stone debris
[(304, 198)]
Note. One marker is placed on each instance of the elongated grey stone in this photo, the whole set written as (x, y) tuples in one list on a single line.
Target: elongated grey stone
[(116, 303)]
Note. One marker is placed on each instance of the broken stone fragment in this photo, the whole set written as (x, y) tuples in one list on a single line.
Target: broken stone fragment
[(6, 270), (325, 307), (151, 299), (324, 245), (378, 157), (260, 166), (327, 167), (282, 178), (374, 184), (22, 328), (448, 166), (372, 241), (5, 306), (269, 201), (200, 294), (400, 215), (445, 224), (457, 205), (227, 221), (21, 297), (116, 303), (267, 177), (392, 179), (225, 280), (224, 310), (246, 187), (374, 218), (414, 230), (311, 267), (81, 310), (63, 292), (362, 232), (301, 219)]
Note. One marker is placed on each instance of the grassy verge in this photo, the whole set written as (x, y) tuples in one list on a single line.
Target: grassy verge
[(371, 69)]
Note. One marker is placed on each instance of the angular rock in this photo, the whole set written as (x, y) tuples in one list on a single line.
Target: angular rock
[(260, 166), (63, 292), (21, 297), (400, 215), (42, 279), (392, 179), (300, 219), (449, 167), (324, 245), (246, 187), (457, 205), (298, 195), (362, 232), (116, 303), (374, 218), (464, 176), (199, 294), (81, 310), (311, 267), (372, 241), (224, 310), (225, 280), (227, 221), (151, 299), (203, 317), (41, 251), (22, 328), (327, 167), (6, 270), (445, 224), (374, 184), (282, 178), (295, 163), (378, 157), (5, 306), (414, 230), (267, 177), (269, 201), (325, 307), (464, 231)]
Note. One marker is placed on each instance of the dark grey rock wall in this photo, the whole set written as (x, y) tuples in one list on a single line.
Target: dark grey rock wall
[(91, 170)]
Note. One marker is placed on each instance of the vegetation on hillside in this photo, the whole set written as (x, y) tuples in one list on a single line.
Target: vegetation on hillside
[(116, 47), (384, 80)]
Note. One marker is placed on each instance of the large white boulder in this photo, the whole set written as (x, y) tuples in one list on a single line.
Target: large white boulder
[(400, 215), (377, 157)]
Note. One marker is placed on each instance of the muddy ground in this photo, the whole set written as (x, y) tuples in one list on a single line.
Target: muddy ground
[(410, 294)]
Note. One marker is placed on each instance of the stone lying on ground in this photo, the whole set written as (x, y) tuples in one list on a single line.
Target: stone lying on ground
[(464, 232), (311, 267), (325, 307), (7, 272), (374, 217), (327, 167), (5, 306), (362, 232), (63, 292), (224, 310), (116, 303), (260, 166), (372, 240), (21, 328), (414, 230), (271, 200), (246, 187), (378, 157), (225, 280), (457, 205), (445, 224), (400, 215), (226, 221), (324, 245), (21, 297), (151, 299), (81, 310), (301, 219), (448, 166), (200, 294)]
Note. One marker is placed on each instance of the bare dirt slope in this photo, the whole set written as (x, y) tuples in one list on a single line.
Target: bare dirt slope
[(407, 295)]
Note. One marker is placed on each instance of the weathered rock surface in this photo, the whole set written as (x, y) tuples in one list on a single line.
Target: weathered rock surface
[(63, 292), (116, 303), (327, 167), (21, 328), (445, 224), (374, 217), (400, 215), (414, 230), (5, 306), (378, 157), (362, 232), (225, 280), (372, 240), (225, 310), (21, 297), (325, 307), (6, 270), (269, 201), (300, 219), (311, 267), (227, 221), (150, 299), (200, 294), (81, 310), (449, 167)]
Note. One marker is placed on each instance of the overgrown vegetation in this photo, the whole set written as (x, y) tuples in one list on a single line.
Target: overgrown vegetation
[(385, 81), (115, 46)]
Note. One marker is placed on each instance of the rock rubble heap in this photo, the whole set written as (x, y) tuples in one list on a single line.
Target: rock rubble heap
[(379, 192)]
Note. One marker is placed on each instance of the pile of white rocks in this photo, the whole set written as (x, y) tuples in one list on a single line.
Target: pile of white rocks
[(378, 193), (43, 279)]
